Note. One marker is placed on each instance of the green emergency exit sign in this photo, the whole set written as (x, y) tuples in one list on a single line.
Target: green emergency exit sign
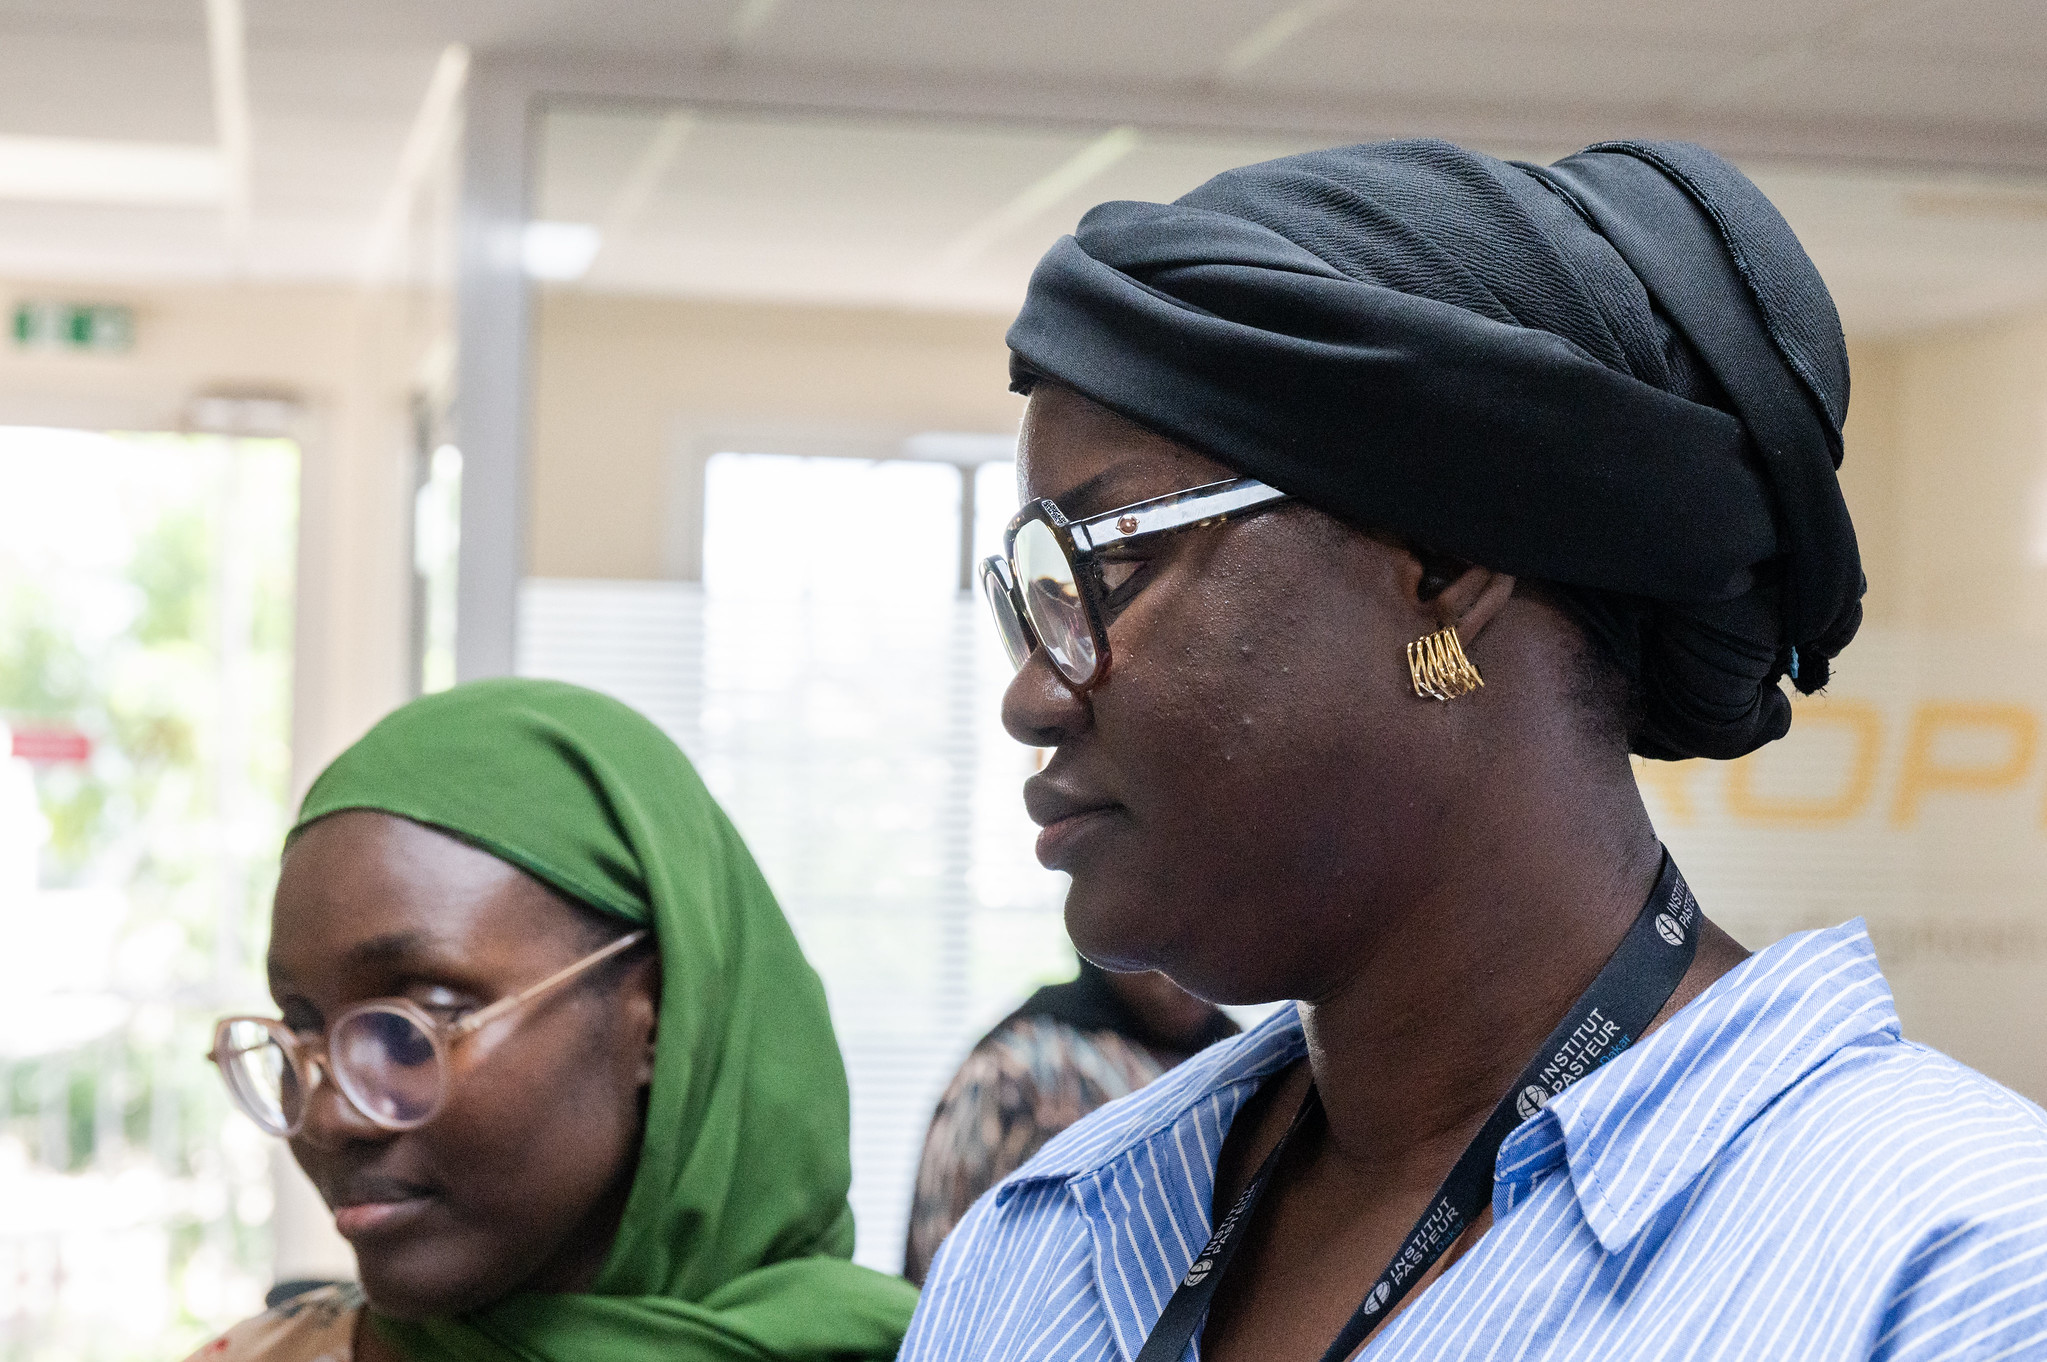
[(73, 326)]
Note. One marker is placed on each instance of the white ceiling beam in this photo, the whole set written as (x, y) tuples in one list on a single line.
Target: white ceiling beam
[(649, 168), (1241, 109), (227, 49), (424, 140), (1067, 178), (1275, 33), (747, 20)]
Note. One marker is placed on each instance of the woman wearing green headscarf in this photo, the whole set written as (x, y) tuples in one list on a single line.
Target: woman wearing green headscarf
[(553, 1056)]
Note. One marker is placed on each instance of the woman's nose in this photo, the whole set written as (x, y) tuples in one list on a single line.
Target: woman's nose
[(333, 1120), (1041, 708)]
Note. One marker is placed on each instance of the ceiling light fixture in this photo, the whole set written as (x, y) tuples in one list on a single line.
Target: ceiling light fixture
[(559, 252), (86, 170)]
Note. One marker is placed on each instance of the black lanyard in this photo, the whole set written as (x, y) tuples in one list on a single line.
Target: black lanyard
[(1631, 989)]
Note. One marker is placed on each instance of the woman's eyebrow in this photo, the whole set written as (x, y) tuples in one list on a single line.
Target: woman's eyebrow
[(1085, 498), (394, 948), (389, 948)]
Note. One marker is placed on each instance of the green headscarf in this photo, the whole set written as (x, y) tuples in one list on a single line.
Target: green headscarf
[(737, 1234)]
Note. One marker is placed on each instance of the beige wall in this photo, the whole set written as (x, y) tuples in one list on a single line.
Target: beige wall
[(1947, 476), (632, 394)]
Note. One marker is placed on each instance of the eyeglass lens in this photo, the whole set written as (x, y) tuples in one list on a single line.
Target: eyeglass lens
[(382, 1059), (388, 1066), (260, 1076), (1016, 641), (1052, 599)]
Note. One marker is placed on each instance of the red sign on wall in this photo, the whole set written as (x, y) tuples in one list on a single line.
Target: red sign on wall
[(51, 744)]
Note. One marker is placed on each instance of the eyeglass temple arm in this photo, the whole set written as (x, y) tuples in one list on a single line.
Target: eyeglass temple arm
[(554, 980), (1216, 501)]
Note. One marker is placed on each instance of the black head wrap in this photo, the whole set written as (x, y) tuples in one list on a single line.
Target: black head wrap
[(1619, 375)]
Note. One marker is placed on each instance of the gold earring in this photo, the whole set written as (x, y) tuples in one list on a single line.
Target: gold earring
[(1439, 667)]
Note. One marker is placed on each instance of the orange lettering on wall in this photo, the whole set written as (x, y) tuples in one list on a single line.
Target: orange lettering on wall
[(1925, 774), (1668, 782), (1867, 724)]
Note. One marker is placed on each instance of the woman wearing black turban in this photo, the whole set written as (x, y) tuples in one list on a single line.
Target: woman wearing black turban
[(1379, 502)]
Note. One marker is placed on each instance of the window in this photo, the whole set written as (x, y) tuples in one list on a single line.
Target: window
[(839, 693), (145, 645)]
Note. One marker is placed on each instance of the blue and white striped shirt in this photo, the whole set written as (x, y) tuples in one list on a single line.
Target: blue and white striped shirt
[(1774, 1173)]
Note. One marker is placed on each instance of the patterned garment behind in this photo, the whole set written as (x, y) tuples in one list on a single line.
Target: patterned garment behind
[(318, 1326), (1029, 1079)]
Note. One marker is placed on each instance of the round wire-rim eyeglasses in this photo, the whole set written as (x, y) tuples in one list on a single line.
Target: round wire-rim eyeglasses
[(388, 1056), (1045, 587)]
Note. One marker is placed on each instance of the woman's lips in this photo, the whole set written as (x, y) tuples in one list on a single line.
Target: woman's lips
[(368, 1219), (1057, 839), (1066, 811)]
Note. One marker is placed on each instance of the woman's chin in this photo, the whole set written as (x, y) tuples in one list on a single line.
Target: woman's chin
[(1188, 943), (1116, 931), (410, 1288), (402, 1302)]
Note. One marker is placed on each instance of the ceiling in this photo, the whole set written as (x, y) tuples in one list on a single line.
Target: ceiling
[(1905, 139), (919, 213)]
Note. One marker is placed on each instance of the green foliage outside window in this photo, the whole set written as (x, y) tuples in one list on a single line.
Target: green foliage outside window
[(146, 603)]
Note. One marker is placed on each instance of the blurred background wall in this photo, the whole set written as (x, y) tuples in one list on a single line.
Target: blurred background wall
[(659, 346)]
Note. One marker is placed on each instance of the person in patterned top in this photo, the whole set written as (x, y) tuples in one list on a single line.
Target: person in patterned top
[(311, 1326), (1069, 1049)]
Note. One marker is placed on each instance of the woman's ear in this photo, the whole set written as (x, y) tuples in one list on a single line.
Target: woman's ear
[(643, 1017), (1471, 602), (1450, 591)]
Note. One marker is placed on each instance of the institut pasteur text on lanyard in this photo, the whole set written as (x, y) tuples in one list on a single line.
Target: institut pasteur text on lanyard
[(1632, 987)]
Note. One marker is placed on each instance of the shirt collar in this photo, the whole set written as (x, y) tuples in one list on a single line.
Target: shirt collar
[(1635, 1134), (1226, 1074), (1639, 1132)]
